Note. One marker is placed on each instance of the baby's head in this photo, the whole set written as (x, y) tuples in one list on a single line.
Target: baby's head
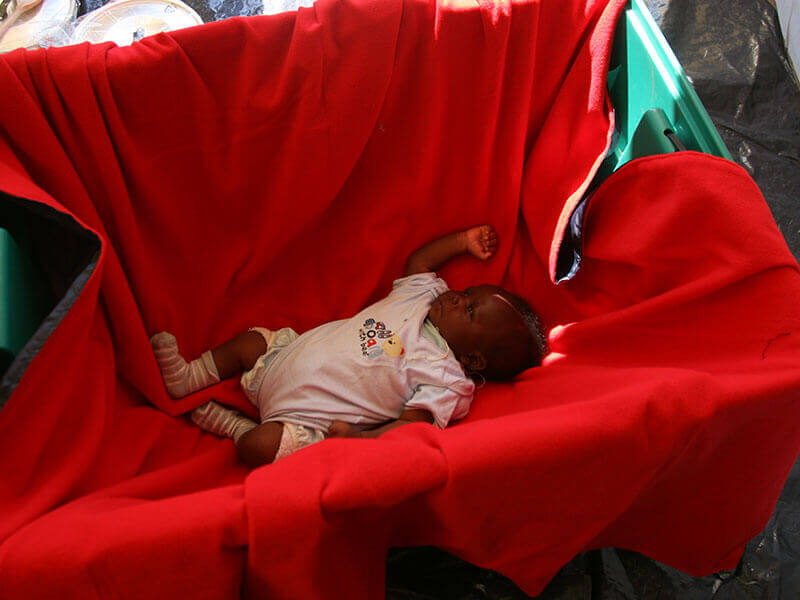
[(490, 330)]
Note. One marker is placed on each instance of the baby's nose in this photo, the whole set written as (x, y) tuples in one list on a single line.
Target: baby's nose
[(455, 298)]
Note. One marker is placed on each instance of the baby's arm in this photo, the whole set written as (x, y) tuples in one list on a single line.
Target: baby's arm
[(414, 415), (480, 241)]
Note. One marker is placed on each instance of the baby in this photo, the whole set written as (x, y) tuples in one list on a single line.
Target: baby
[(410, 357)]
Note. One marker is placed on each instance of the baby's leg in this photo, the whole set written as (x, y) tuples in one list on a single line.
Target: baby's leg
[(217, 419), (256, 444), (273, 441), (182, 378), (240, 353), (261, 445)]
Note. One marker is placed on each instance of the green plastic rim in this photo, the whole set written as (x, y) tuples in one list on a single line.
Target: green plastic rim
[(644, 75)]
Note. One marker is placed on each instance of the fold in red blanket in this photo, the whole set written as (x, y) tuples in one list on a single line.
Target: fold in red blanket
[(277, 171)]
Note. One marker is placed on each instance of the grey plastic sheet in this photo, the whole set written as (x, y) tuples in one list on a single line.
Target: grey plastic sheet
[(733, 52)]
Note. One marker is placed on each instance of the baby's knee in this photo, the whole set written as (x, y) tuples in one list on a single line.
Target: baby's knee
[(251, 345), (272, 441), (260, 445)]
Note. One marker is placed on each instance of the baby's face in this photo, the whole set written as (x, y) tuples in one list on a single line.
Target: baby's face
[(467, 319)]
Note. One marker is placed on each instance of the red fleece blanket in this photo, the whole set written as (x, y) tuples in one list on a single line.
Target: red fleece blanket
[(277, 171)]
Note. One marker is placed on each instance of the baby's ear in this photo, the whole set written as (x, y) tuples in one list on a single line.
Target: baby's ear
[(473, 361)]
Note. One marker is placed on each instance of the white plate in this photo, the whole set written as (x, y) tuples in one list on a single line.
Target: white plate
[(273, 7), (49, 19), (127, 21)]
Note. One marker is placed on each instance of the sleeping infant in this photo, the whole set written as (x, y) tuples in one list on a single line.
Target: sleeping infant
[(407, 358)]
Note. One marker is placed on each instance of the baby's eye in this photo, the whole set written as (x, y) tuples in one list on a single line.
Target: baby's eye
[(471, 311)]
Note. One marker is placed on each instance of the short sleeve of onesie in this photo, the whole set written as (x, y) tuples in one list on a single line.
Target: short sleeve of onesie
[(419, 282), (443, 403)]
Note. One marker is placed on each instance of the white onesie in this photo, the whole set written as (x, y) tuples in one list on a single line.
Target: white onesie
[(365, 370)]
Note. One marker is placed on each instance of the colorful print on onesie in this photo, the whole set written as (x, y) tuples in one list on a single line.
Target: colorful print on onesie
[(377, 339)]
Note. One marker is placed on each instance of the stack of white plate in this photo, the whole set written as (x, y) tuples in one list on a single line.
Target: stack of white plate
[(127, 21), (46, 24), (272, 7)]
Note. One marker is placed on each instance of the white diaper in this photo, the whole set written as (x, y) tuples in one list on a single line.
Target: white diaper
[(276, 341), (295, 437)]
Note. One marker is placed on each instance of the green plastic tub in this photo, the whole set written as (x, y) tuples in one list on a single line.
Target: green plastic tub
[(657, 109), (24, 298)]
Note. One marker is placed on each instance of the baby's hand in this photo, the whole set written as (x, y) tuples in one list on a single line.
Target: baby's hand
[(481, 241), (341, 429)]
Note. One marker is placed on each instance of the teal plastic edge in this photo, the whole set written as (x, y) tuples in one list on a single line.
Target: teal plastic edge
[(657, 111), (684, 94), (644, 78), (23, 298)]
